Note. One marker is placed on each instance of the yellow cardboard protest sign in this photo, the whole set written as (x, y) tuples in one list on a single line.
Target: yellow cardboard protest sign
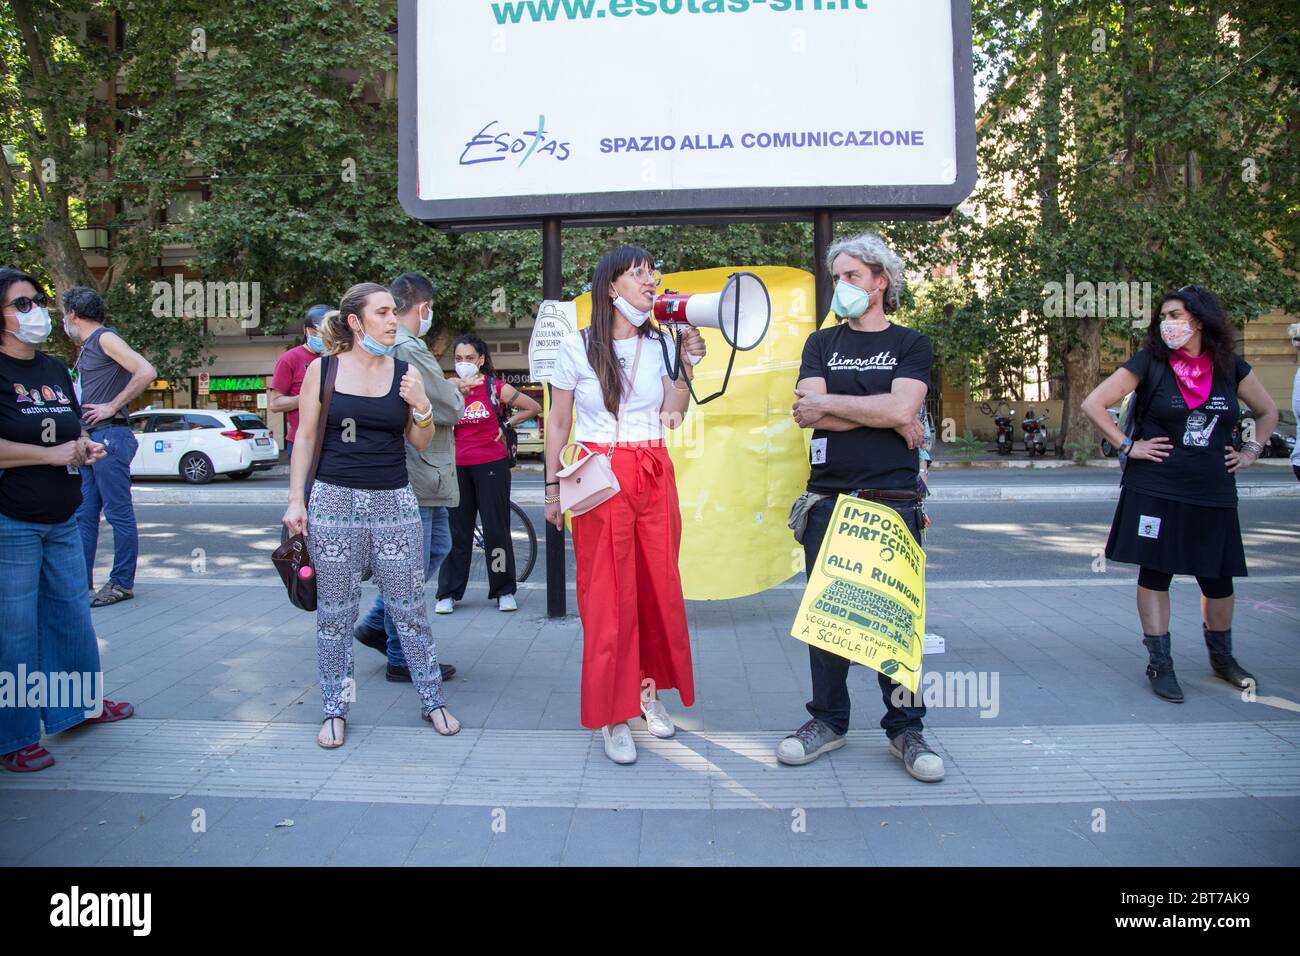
[(741, 460), (865, 598)]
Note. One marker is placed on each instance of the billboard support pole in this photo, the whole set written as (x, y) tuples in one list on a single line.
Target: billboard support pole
[(552, 283), (823, 233)]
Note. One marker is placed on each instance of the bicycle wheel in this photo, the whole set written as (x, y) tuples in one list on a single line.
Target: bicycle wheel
[(524, 537), (523, 541)]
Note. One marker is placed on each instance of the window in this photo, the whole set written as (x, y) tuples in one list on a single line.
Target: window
[(140, 423), (202, 421), (169, 423), (248, 423)]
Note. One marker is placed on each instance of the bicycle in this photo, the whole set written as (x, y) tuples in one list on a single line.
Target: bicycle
[(523, 539)]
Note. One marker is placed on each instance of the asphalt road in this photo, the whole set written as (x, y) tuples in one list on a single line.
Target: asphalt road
[(986, 541)]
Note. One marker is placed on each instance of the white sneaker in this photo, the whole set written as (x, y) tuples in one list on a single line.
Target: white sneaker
[(445, 606), (657, 720), (506, 602), (618, 743)]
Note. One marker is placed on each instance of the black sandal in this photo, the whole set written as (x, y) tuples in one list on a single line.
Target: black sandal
[(446, 719), (338, 741), (110, 594)]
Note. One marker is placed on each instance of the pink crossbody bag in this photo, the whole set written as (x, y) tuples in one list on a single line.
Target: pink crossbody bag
[(589, 481)]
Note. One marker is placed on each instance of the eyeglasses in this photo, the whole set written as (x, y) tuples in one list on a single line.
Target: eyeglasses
[(23, 304), (644, 274)]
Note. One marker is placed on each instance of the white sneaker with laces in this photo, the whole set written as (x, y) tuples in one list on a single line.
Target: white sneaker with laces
[(657, 720), (506, 602), (445, 606), (618, 743)]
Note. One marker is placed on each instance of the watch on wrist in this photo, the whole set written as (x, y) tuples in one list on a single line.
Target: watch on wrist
[(1125, 445)]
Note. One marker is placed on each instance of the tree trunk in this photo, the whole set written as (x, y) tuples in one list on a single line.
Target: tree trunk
[(61, 251), (1082, 368)]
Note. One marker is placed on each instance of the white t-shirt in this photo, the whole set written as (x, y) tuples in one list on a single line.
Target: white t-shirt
[(593, 422), (1295, 407)]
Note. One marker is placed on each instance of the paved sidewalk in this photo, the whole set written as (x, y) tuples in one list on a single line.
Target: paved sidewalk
[(1076, 761)]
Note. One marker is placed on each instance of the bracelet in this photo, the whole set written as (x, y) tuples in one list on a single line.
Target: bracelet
[(1254, 447), (422, 418), (551, 499), (552, 483)]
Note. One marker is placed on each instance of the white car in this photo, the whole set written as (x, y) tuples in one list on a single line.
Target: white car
[(199, 444)]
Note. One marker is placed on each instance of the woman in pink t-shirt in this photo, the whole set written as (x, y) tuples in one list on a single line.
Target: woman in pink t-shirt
[(483, 473)]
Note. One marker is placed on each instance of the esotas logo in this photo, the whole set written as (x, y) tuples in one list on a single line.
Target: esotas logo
[(495, 143)]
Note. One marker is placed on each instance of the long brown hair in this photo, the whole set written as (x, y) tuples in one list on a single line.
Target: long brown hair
[(1217, 335), (600, 336)]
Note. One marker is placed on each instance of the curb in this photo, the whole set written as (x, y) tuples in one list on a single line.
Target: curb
[(183, 495)]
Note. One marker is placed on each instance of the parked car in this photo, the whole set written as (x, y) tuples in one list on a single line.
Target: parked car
[(530, 438), (199, 444)]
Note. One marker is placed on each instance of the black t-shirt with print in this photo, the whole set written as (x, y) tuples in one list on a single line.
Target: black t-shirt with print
[(37, 403), (1195, 471), (864, 363)]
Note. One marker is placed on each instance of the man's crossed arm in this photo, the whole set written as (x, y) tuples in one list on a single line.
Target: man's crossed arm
[(897, 409)]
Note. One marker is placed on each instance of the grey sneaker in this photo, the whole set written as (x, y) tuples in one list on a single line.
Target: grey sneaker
[(808, 743), (921, 762)]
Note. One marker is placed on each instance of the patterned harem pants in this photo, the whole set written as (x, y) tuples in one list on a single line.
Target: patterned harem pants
[(350, 530)]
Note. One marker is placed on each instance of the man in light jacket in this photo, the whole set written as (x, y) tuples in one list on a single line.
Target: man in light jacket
[(432, 472)]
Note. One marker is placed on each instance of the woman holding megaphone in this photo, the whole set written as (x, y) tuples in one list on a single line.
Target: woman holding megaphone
[(613, 378)]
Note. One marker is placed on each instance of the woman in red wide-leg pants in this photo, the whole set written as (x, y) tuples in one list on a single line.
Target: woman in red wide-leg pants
[(630, 590), (617, 385)]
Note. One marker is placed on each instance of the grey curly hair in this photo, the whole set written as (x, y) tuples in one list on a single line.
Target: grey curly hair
[(871, 250)]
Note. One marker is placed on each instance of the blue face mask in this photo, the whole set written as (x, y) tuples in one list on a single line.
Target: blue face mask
[(316, 344), (374, 348), (850, 302)]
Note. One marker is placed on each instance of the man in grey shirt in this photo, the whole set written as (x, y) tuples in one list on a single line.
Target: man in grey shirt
[(110, 374), (432, 472)]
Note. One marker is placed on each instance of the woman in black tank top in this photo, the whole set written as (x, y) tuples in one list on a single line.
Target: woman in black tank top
[(359, 513)]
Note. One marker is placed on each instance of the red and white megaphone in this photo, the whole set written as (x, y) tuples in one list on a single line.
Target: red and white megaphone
[(742, 311)]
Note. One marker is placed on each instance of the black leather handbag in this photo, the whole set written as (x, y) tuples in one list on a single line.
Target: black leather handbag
[(292, 560)]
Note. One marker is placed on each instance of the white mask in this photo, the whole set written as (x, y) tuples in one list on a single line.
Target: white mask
[(466, 370), (630, 312), (1176, 332), (34, 326), (70, 329), (426, 323)]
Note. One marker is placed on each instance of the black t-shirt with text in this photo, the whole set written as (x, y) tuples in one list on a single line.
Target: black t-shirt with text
[(864, 363), (38, 407), (1195, 471)]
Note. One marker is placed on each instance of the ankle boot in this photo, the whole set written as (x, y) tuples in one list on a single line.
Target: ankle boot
[(1221, 659), (1160, 668)]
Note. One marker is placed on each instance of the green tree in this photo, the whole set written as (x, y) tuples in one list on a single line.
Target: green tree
[(1123, 141)]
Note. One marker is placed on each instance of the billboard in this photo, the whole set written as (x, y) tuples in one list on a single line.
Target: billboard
[(671, 110)]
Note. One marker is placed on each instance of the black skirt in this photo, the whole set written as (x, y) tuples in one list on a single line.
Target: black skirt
[(1175, 537)]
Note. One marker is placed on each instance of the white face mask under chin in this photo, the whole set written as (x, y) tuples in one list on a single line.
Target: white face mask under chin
[(630, 312)]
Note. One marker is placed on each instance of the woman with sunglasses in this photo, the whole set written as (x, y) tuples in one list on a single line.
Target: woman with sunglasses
[(45, 623), (1177, 511), (613, 376)]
